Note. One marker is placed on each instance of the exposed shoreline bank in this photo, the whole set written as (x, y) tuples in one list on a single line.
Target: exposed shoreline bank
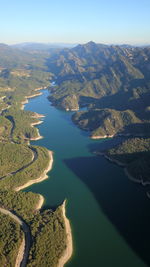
[(116, 135), (69, 247), (38, 133), (101, 137), (69, 244), (36, 115), (26, 99), (42, 177), (40, 203), (124, 166)]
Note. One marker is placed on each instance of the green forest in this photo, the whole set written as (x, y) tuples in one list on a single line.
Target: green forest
[(134, 154), (108, 88), (10, 239), (21, 75)]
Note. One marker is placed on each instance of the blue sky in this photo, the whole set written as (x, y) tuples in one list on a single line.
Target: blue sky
[(74, 21)]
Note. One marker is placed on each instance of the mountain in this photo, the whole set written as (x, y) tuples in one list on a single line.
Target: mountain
[(33, 46), (108, 122), (95, 70), (134, 155), (112, 85), (112, 82), (12, 57)]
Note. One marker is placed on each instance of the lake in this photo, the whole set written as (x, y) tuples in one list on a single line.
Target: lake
[(109, 214)]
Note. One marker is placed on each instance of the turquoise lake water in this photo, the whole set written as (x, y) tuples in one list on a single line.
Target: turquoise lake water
[(109, 214)]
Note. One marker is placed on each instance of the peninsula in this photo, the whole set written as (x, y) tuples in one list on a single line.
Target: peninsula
[(22, 165), (109, 87)]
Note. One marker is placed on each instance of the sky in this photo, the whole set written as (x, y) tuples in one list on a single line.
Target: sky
[(75, 21)]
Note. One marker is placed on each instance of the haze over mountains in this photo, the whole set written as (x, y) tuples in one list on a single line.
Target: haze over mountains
[(107, 87), (54, 45), (111, 82), (42, 46)]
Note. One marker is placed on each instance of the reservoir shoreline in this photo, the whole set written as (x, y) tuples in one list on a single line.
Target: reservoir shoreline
[(66, 255), (69, 244), (42, 177), (92, 187)]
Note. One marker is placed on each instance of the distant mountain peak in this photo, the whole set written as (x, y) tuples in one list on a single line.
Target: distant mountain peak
[(90, 46), (91, 43), (3, 45)]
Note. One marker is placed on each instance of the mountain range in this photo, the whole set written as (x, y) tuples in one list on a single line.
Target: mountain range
[(112, 82)]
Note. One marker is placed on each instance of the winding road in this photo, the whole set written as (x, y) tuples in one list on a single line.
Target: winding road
[(34, 157), (24, 249)]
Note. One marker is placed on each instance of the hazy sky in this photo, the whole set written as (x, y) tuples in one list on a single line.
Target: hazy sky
[(75, 21)]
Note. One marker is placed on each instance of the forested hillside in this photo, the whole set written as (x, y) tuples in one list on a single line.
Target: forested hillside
[(107, 86), (22, 75), (112, 84)]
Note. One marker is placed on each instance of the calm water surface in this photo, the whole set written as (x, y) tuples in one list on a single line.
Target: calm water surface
[(109, 214)]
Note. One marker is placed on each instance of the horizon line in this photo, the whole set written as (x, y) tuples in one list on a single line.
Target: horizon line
[(75, 43)]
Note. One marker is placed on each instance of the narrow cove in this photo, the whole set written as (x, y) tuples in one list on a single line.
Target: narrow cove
[(108, 213)]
